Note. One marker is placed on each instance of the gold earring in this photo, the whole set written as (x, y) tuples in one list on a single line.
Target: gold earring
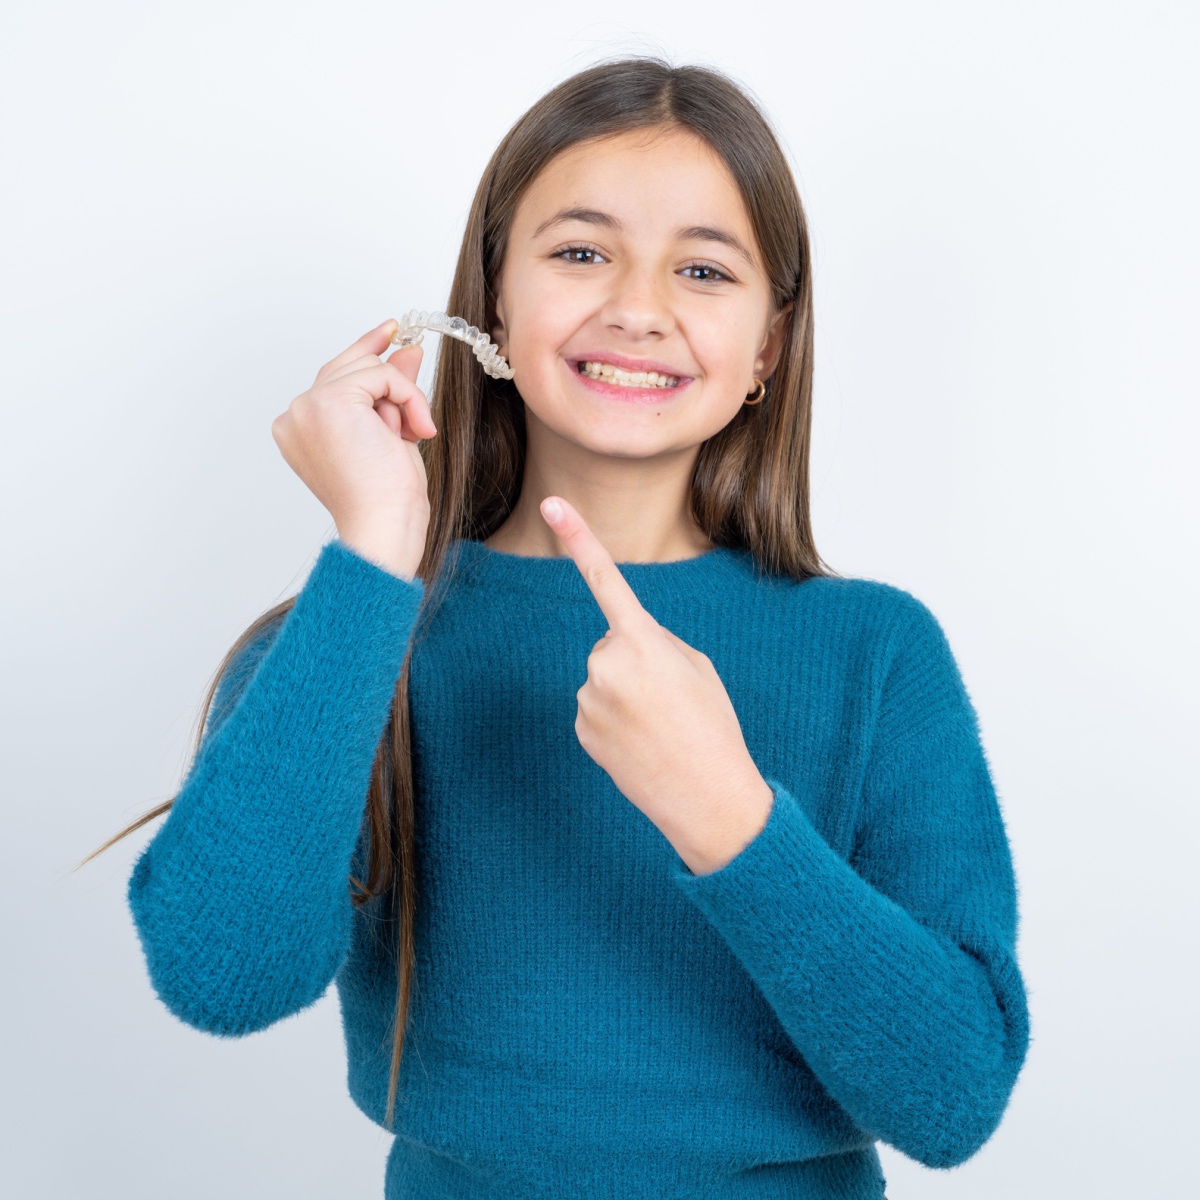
[(759, 392)]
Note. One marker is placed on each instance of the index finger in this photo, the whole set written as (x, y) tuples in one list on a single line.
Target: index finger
[(616, 598), (375, 342)]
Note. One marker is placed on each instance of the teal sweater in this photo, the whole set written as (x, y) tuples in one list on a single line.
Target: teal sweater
[(590, 1018)]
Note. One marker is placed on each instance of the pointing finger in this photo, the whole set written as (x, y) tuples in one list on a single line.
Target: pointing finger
[(616, 598), (375, 342)]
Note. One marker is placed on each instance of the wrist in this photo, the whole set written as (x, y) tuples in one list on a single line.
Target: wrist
[(711, 842), (396, 550)]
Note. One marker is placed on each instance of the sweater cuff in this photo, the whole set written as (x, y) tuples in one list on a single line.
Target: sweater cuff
[(787, 874), (366, 572), (781, 823), (350, 626), (355, 619)]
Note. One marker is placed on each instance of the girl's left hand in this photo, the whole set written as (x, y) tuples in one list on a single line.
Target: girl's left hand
[(655, 715)]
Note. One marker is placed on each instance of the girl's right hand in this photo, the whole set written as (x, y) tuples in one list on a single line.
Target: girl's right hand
[(352, 438)]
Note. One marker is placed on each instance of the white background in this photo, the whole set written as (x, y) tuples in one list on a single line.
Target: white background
[(203, 203)]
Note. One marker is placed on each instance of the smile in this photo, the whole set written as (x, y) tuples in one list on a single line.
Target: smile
[(607, 373)]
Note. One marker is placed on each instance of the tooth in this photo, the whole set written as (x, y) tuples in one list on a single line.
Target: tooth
[(622, 378)]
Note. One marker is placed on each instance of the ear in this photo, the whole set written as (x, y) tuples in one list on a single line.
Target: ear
[(772, 346), (499, 331)]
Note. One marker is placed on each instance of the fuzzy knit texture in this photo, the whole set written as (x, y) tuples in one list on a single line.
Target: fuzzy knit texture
[(590, 1018)]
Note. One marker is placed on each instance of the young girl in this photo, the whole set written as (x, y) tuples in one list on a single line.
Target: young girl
[(649, 856)]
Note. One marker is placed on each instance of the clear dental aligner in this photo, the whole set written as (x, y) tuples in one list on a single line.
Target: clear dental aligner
[(410, 333)]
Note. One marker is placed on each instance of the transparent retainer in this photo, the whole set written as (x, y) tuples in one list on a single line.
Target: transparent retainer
[(414, 323)]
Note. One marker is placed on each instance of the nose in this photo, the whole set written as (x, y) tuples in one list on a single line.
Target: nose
[(638, 304)]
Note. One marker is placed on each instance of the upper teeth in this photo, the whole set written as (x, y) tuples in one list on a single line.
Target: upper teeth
[(611, 374)]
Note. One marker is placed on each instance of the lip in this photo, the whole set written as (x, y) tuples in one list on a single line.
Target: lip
[(631, 395), (628, 395)]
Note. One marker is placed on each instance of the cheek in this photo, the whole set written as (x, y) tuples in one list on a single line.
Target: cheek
[(543, 318), (725, 351), (720, 373)]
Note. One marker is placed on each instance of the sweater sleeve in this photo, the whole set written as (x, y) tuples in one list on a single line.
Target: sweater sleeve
[(894, 974), (242, 900)]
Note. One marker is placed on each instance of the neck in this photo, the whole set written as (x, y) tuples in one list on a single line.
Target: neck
[(517, 536), (639, 508)]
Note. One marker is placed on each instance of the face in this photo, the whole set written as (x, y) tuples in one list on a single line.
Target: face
[(635, 254)]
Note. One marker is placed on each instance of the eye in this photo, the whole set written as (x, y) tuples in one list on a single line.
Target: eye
[(712, 271), (577, 250)]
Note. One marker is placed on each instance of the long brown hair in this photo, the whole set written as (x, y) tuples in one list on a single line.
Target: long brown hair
[(750, 486)]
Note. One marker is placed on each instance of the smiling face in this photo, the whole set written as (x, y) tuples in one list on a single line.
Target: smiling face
[(635, 254)]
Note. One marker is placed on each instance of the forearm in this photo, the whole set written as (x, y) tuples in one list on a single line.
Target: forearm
[(919, 1040), (242, 899)]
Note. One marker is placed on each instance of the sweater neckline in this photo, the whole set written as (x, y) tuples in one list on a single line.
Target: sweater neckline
[(559, 576)]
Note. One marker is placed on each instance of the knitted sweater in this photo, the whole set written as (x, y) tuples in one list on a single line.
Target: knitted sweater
[(588, 1017)]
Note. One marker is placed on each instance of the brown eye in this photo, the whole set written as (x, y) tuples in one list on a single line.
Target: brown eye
[(574, 250), (709, 268)]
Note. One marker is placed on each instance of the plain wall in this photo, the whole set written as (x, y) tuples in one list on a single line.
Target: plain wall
[(202, 204)]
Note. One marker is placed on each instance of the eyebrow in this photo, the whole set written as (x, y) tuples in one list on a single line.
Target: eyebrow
[(592, 216)]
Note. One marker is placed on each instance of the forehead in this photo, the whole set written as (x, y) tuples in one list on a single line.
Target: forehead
[(647, 178)]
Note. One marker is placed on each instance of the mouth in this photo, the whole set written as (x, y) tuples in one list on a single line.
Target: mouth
[(619, 377), (635, 380)]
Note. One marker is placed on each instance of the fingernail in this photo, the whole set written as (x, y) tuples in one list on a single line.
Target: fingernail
[(391, 324), (552, 510)]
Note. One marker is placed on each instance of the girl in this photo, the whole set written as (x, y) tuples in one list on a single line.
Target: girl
[(672, 856)]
